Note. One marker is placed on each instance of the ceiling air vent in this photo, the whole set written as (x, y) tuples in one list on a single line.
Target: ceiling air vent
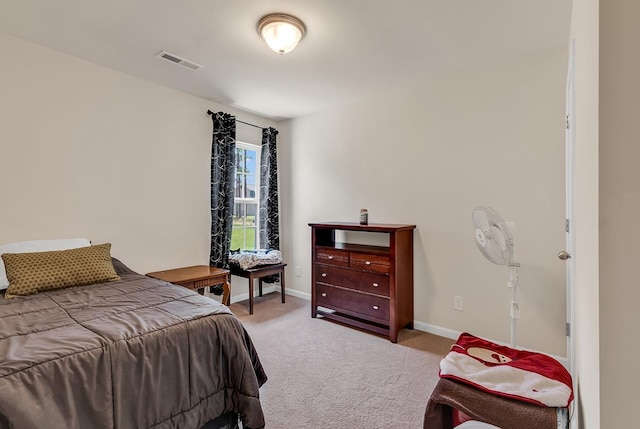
[(181, 61)]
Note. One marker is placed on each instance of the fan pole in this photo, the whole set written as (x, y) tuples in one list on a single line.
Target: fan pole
[(515, 306), (514, 321)]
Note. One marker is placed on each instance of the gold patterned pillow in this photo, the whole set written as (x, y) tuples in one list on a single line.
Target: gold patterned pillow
[(30, 273)]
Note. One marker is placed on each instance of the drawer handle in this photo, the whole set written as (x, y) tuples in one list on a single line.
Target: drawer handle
[(330, 256), (375, 307), (324, 294), (367, 263), (324, 274), (376, 285)]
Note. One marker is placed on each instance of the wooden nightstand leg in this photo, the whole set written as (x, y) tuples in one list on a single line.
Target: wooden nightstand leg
[(259, 286), (250, 294), (226, 293), (282, 284)]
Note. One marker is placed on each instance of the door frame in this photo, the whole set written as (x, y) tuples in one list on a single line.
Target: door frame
[(570, 146)]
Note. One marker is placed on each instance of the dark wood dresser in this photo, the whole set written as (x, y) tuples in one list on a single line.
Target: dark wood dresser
[(370, 287)]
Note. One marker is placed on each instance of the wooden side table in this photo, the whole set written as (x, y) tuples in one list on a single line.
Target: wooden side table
[(259, 273), (197, 278)]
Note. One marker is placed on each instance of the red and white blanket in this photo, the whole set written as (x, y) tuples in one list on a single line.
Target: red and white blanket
[(518, 374)]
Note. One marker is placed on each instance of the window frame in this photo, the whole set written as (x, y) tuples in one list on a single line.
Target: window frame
[(255, 200)]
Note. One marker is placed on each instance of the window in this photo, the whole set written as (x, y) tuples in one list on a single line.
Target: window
[(245, 205)]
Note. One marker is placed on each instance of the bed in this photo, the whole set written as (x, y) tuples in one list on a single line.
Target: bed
[(132, 353)]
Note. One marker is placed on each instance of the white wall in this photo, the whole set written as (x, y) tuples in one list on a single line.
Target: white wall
[(428, 157), (584, 29), (619, 210), (88, 151)]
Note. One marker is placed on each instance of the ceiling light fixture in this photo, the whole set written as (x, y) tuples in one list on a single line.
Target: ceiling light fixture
[(282, 32)]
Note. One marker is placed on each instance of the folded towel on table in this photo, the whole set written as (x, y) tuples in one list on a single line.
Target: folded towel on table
[(247, 259)]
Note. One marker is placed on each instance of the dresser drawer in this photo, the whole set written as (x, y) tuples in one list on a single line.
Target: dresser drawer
[(370, 307), (345, 277), (337, 257), (369, 262)]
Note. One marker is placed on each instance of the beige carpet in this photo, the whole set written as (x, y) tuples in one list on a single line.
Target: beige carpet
[(325, 375)]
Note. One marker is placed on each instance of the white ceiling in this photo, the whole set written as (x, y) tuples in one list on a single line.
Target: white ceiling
[(354, 49)]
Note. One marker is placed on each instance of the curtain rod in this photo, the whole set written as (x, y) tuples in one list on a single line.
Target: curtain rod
[(209, 112), (251, 125)]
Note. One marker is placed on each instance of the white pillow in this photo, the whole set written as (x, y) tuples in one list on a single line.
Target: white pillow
[(37, 246)]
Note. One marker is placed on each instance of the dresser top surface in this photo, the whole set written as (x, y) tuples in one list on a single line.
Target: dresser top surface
[(197, 272), (354, 226)]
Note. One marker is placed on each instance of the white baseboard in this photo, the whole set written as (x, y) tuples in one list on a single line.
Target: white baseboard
[(452, 334), (297, 293), (436, 330), (270, 289), (420, 326), (265, 290)]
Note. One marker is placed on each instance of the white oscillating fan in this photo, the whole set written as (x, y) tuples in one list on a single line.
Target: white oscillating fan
[(494, 238)]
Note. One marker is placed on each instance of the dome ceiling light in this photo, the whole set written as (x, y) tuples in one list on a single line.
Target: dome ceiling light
[(282, 32)]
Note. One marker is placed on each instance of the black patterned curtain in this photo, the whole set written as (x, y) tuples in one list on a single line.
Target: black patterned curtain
[(269, 215), (223, 165)]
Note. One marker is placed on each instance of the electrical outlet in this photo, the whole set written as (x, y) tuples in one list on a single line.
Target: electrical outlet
[(298, 272), (458, 303)]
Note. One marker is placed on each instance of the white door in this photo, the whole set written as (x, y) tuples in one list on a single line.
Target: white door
[(568, 255)]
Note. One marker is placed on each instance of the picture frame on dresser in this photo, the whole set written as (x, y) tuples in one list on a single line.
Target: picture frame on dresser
[(365, 286)]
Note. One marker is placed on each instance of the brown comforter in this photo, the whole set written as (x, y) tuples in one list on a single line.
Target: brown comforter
[(139, 353)]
